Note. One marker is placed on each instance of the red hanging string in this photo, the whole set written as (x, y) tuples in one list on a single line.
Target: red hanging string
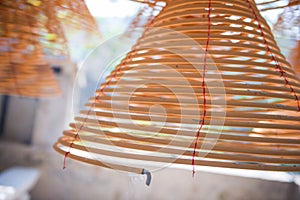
[(90, 109), (203, 88), (278, 66)]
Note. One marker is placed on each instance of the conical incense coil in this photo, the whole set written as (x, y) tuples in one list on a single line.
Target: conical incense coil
[(24, 68), (193, 90)]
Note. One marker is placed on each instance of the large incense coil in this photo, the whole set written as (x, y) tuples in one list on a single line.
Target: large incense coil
[(263, 5), (149, 111)]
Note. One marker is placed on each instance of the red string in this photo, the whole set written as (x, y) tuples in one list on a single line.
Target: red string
[(203, 88), (278, 67), (90, 109), (123, 64)]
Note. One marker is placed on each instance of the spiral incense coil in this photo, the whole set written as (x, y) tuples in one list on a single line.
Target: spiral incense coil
[(143, 18), (288, 22), (295, 58), (287, 26), (76, 14), (45, 19), (265, 5), (196, 86), (150, 2), (34, 23), (27, 75), (24, 69), (31, 38)]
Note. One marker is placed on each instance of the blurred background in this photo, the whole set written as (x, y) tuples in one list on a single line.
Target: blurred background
[(29, 126)]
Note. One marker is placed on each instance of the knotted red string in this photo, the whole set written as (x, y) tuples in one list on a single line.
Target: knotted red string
[(278, 66), (123, 64), (203, 87)]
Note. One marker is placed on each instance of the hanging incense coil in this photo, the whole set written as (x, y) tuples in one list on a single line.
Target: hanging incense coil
[(199, 81), (143, 18), (32, 38), (295, 58), (288, 22), (287, 26), (54, 39), (149, 2), (35, 23), (24, 69), (265, 5), (76, 14), (48, 18)]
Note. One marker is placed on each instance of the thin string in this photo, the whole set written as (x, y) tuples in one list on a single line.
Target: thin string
[(203, 88), (278, 66), (90, 109), (123, 64)]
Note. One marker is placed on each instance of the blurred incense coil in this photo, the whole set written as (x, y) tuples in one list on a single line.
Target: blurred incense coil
[(76, 14), (288, 22), (144, 17), (32, 38), (34, 23), (150, 2), (46, 19), (265, 5), (295, 58), (24, 68)]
